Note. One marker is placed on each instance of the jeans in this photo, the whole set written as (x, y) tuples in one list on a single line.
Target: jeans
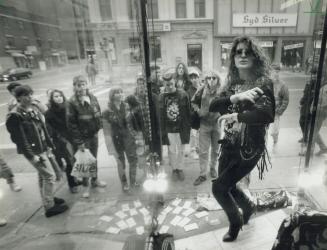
[(46, 180), (5, 171), (194, 140), (130, 151), (274, 128), (208, 137), (232, 168), (176, 151), (317, 138)]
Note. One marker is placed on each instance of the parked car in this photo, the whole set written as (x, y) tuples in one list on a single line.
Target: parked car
[(14, 74)]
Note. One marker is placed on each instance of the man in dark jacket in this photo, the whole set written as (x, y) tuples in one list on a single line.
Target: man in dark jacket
[(28, 131), (84, 120), (175, 124)]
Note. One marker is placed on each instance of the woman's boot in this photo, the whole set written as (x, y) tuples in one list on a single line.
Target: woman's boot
[(236, 223)]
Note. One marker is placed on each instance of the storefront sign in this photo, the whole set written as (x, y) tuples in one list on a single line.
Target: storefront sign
[(264, 20), (226, 45), (293, 46), (266, 44)]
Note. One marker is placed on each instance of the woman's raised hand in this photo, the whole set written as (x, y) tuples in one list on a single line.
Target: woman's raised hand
[(250, 95)]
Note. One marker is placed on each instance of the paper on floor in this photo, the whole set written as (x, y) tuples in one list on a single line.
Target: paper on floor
[(121, 214), (190, 227), (106, 218), (122, 225), (113, 230), (187, 204), (125, 207), (184, 222), (188, 212), (176, 220), (137, 204), (164, 229), (177, 210), (176, 202), (140, 230), (133, 212), (201, 214), (131, 222)]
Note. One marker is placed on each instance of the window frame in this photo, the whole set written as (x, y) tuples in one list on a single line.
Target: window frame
[(180, 3), (197, 8)]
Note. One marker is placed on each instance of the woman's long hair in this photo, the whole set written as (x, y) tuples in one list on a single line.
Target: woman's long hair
[(52, 103), (112, 92), (261, 63)]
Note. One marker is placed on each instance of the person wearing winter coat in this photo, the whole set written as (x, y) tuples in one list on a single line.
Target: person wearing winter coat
[(83, 123), (119, 139), (55, 118), (281, 98), (28, 131), (175, 124), (209, 133)]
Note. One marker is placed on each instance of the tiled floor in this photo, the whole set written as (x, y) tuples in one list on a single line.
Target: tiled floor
[(258, 235)]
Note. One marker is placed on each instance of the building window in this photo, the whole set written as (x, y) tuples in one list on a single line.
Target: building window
[(134, 48), (152, 9), (155, 48), (20, 25), (50, 42), (199, 8), (26, 41), (10, 41), (180, 8), (39, 42), (5, 22), (105, 10), (130, 9)]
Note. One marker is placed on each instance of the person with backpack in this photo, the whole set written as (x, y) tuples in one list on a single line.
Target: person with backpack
[(28, 131)]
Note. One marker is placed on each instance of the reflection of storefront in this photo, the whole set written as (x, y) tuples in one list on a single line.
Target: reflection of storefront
[(292, 53), (194, 55)]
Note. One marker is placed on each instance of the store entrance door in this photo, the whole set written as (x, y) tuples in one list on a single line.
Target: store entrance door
[(194, 55)]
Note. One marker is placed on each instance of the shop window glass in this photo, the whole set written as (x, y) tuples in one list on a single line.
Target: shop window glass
[(152, 9), (155, 48), (180, 8), (135, 53), (11, 41), (105, 10), (199, 8)]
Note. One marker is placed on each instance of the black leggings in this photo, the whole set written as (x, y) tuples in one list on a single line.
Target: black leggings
[(232, 168)]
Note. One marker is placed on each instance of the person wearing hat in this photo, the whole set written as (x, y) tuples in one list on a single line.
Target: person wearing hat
[(84, 122), (28, 131), (281, 101), (175, 124)]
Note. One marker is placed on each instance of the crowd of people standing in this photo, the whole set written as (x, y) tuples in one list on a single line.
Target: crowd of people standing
[(225, 124)]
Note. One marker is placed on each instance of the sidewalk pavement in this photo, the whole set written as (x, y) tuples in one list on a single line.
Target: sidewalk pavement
[(80, 227)]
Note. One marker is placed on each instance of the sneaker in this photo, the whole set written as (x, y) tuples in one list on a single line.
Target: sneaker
[(199, 180), (321, 151), (74, 190), (3, 222), (213, 173), (180, 174), (174, 175), (125, 187), (97, 183), (14, 187), (86, 195), (58, 200), (56, 209)]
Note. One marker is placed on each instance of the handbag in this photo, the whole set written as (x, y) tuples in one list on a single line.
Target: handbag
[(85, 164)]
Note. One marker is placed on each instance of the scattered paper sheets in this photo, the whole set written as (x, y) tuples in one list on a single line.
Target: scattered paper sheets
[(131, 222), (137, 204), (176, 220), (121, 214), (167, 210), (184, 222), (140, 230), (106, 218), (176, 202), (188, 212), (187, 204), (113, 230), (133, 212), (201, 214), (164, 229), (177, 210), (122, 225), (144, 211), (190, 227), (125, 207)]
